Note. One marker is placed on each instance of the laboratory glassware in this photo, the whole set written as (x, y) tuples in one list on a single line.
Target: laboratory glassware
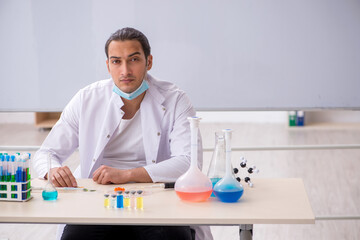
[(106, 200), (132, 199), (193, 185), (217, 165), (120, 200), (228, 189), (113, 201), (139, 200), (127, 199), (49, 193)]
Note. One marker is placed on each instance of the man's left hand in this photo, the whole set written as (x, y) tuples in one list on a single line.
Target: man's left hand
[(108, 175)]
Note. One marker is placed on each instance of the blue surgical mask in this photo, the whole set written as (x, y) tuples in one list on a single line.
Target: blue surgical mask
[(130, 96)]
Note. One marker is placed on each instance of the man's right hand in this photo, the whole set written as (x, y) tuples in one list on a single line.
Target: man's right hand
[(62, 177)]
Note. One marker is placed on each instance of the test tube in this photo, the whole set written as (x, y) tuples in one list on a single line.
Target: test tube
[(12, 168), (2, 165), (1, 174), (4, 168), (23, 173), (18, 169), (8, 176), (1, 168), (28, 175), (132, 199), (113, 201), (119, 200), (139, 200), (106, 201), (126, 199)]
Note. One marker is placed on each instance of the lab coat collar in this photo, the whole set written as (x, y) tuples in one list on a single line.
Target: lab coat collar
[(153, 91)]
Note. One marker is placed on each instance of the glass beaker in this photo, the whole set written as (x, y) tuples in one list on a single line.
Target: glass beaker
[(216, 169), (49, 193), (193, 185), (228, 189)]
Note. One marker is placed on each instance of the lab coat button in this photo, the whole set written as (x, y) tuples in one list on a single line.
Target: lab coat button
[(164, 109), (108, 136), (158, 134), (153, 161), (94, 160)]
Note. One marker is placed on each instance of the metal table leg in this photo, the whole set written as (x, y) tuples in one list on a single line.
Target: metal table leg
[(246, 231)]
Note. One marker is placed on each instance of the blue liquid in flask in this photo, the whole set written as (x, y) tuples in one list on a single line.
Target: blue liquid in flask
[(49, 196), (49, 193), (214, 181), (228, 189), (230, 195)]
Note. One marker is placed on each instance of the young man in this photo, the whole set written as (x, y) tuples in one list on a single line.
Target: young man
[(130, 128)]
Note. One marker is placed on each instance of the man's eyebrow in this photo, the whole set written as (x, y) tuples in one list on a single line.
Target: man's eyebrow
[(135, 53)]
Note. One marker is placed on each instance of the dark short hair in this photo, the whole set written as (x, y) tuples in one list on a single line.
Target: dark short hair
[(129, 34)]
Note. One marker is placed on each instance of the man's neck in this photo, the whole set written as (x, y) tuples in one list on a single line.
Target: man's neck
[(131, 106)]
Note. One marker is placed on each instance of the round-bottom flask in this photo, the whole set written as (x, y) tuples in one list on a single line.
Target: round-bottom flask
[(49, 193), (228, 189), (193, 185)]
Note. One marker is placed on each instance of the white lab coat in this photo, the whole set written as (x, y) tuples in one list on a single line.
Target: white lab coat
[(94, 113)]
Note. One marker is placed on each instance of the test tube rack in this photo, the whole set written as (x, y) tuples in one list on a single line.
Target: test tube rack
[(15, 177), (15, 191)]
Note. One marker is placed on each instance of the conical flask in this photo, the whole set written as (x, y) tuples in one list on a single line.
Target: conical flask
[(49, 193), (217, 165), (193, 185), (228, 189)]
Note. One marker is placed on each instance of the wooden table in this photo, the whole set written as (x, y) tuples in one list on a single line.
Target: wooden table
[(270, 201)]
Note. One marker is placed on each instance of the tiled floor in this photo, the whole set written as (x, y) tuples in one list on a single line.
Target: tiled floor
[(331, 177)]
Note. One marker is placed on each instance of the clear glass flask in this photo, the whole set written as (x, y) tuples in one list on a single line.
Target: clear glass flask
[(49, 193), (193, 185), (228, 189), (216, 169)]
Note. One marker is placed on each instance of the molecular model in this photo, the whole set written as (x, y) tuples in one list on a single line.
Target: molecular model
[(250, 170)]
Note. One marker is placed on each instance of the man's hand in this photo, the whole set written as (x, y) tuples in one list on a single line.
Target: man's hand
[(62, 177), (107, 175)]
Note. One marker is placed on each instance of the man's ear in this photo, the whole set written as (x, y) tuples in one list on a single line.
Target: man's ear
[(107, 64), (149, 62)]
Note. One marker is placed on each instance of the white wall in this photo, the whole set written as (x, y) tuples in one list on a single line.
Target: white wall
[(247, 55), (227, 116)]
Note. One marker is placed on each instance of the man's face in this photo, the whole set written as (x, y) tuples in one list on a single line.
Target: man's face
[(127, 64)]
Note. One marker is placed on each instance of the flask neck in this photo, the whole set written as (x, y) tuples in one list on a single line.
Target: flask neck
[(228, 151), (194, 146)]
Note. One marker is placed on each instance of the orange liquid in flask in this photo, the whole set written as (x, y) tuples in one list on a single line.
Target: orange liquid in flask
[(194, 196)]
